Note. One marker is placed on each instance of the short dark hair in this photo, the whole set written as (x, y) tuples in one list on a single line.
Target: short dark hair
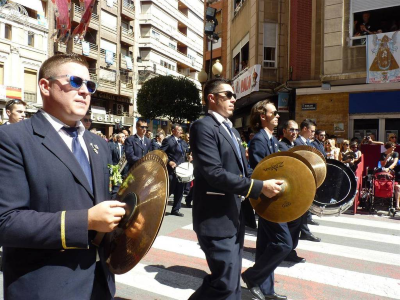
[(51, 64), (258, 109), (173, 126), (141, 121), (389, 145), (319, 131), (287, 122), (11, 103), (210, 86), (307, 123)]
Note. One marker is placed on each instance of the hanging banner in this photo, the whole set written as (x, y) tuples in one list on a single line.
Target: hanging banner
[(283, 102), (128, 61), (109, 57), (247, 82), (383, 58), (85, 48)]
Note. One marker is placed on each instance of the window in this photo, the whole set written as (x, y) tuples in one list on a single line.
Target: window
[(172, 46), (240, 56), (30, 85), (270, 45), (8, 32), (31, 39), (108, 20), (155, 34), (370, 17)]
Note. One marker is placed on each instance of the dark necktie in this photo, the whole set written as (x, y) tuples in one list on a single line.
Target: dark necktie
[(80, 155), (235, 142), (271, 140), (180, 145)]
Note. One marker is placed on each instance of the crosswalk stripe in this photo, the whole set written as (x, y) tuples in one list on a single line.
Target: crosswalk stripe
[(371, 284), (345, 251), (356, 234), (144, 277), (361, 222)]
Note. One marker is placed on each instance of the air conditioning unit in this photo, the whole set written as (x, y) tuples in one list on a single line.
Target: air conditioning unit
[(120, 109)]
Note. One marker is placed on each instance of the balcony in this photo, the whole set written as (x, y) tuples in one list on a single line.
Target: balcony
[(107, 86), (151, 42), (60, 47), (103, 58), (196, 6), (77, 13), (93, 76), (30, 97), (126, 86), (127, 36), (113, 9), (122, 62), (93, 49), (128, 9)]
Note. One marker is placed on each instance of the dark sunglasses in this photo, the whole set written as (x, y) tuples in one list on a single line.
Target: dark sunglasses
[(345, 144), (87, 120), (76, 82), (354, 146), (293, 130), (322, 134), (12, 102), (393, 137), (228, 94), (144, 127), (275, 112)]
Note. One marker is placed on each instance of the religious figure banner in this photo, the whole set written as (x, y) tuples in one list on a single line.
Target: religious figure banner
[(383, 58)]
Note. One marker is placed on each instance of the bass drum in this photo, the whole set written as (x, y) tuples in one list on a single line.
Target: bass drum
[(337, 192)]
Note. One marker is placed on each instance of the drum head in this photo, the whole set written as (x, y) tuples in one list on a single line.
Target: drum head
[(338, 189)]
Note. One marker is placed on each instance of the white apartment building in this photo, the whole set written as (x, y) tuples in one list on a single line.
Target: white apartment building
[(170, 38), (23, 48)]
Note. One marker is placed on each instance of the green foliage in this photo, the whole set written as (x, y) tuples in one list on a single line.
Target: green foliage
[(173, 98)]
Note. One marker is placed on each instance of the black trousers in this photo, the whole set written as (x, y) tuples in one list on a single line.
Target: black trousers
[(304, 226), (176, 188), (100, 287), (274, 243), (294, 228), (224, 258)]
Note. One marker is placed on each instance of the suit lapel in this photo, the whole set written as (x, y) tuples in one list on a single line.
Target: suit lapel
[(269, 146), (96, 165), (138, 142), (55, 144)]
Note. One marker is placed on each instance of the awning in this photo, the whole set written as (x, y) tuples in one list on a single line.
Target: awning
[(32, 4)]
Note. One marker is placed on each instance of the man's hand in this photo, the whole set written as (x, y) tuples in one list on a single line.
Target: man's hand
[(271, 187), (172, 164), (105, 216)]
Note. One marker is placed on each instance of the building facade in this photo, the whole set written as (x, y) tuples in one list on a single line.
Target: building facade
[(24, 34), (330, 66), (170, 42)]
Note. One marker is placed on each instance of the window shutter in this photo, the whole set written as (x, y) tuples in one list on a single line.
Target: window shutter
[(366, 5), (30, 81), (270, 35)]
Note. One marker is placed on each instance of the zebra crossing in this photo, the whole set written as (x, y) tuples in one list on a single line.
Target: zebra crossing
[(358, 258)]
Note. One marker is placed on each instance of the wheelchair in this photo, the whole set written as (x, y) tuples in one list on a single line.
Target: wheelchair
[(378, 191)]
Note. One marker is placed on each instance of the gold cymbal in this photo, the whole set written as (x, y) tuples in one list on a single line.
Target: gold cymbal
[(145, 190), (161, 154), (315, 158), (298, 190)]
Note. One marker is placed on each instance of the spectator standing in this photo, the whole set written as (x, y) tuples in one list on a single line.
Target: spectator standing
[(319, 140), (331, 150), (15, 110), (389, 162)]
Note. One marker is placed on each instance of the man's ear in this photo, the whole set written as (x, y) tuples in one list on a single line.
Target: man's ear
[(211, 98), (8, 112), (44, 86)]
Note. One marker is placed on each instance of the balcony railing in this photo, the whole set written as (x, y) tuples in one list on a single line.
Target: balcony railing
[(127, 34), (123, 64), (93, 76), (103, 55), (30, 96), (115, 4), (79, 12), (108, 84), (128, 6)]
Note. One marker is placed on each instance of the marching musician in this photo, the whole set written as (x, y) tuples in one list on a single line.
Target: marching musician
[(290, 132), (274, 240), (54, 183), (138, 145), (221, 183), (176, 149)]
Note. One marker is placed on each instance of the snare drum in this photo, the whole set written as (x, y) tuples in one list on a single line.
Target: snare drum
[(337, 192), (184, 172)]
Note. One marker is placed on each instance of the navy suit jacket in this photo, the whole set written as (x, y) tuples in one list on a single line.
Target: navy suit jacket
[(135, 150), (299, 141), (261, 147), (219, 180), (115, 155), (171, 148), (319, 146), (44, 202), (284, 144)]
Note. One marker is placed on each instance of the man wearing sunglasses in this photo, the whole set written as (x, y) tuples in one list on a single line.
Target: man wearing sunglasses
[(87, 121), (290, 132), (319, 140), (137, 145), (60, 170), (15, 110), (220, 169)]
